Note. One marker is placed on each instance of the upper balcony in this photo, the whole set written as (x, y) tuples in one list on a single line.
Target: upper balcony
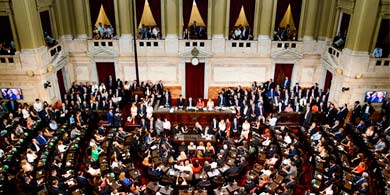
[(103, 47), (160, 47), (10, 62)]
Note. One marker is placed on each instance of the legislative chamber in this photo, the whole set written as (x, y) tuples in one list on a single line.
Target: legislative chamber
[(195, 97)]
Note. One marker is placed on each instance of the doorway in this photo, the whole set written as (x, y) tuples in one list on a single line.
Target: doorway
[(105, 69), (195, 80), (328, 81), (282, 71), (61, 85)]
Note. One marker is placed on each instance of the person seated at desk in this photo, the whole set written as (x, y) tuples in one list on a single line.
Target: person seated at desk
[(182, 156), (360, 168), (210, 104), (181, 181), (210, 148), (181, 102), (191, 148), (201, 147), (200, 103), (190, 103), (196, 168)]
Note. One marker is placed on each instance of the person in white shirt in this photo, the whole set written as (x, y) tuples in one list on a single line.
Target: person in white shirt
[(38, 106), (94, 87), (102, 87), (210, 104), (245, 129), (149, 111), (222, 125), (31, 156), (166, 124)]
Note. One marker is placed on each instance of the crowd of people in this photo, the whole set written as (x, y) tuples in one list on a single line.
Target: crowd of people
[(103, 31), (285, 34), (241, 33), (195, 31), (7, 48), (151, 32), (67, 148)]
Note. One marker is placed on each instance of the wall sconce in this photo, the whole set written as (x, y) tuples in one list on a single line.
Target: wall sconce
[(339, 71), (344, 89), (359, 76), (50, 68), (47, 84), (30, 73)]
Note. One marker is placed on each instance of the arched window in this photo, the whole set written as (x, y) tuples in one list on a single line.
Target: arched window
[(287, 20), (241, 19), (6, 37), (148, 19), (102, 18), (195, 19)]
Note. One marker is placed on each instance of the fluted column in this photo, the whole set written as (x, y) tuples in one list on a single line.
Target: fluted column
[(310, 23), (332, 19), (28, 24), (361, 28), (172, 18), (219, 17), (125, 13), (80, 19), (266, 19)]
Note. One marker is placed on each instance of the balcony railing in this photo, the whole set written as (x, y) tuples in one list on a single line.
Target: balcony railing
[(380, 62), (10, 61), (55, 51), (240, 47), (204, 45), (103, 47), (286, 44), (150, 43), (335, 53)]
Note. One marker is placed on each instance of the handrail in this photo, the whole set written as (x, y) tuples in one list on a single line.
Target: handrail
[(380, 61), (10, 59), (286, 44), (55, 49), (334, 52)]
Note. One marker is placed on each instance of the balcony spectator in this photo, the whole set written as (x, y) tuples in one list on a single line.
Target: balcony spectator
[(377, 53)]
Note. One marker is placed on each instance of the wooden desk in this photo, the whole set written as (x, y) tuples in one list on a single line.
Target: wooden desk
[(296, 118), (190, 117), (187, 138), (222, 191)]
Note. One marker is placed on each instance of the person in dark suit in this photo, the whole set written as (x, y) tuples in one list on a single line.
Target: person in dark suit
[(221, 100), (110, 117), (355, 112), (12, 105), (367, 111), (331, 114), (166, 99), (307, 116), (191, 102), (269, 85), (286, 83), (118, 84), (342, 114), (181, 102), (186, 34), (195, 30), (141, 110), (110, 83)]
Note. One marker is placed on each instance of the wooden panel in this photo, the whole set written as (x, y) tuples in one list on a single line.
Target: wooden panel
[(213, 90), (189, 118), (175, 91)]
